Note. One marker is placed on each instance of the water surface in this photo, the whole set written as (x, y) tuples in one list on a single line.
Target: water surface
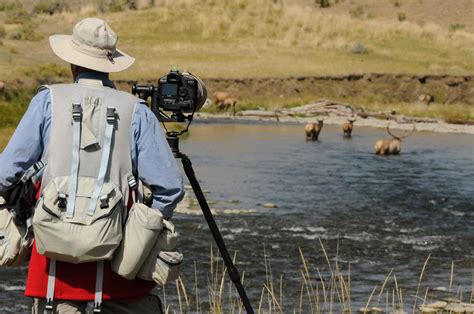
[(376, 213)]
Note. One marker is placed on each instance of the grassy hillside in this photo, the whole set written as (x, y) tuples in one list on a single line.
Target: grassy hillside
[(258, 38)]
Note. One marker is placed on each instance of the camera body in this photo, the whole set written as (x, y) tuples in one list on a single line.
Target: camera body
[(175, 92)]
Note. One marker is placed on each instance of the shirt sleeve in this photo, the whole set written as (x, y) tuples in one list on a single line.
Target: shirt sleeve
[(28, 142), (154, 162)]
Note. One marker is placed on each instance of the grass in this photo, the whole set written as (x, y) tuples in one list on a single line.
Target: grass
[(255, 39), (5, 134), (325, 288)]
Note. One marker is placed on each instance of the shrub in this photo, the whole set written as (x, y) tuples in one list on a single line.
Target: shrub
[(357, 12), (455, 26), (50, 7), (17, 15), (47, 74), (401, 16), (323, 3), (396, 3), (26, 31), (358, 48), (117, 5), (3, 32)]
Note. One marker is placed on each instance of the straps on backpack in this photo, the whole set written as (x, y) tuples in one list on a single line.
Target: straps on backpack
[(51, 284), (99, 281), (76, 146), (111, 118)]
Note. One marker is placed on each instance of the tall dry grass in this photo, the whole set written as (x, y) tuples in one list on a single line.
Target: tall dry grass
[(244, 38), (324, 288)]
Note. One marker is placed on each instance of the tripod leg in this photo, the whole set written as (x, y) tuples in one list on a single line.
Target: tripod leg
[(233, 272)]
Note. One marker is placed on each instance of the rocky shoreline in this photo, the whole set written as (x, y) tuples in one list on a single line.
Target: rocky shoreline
[(337, 114)]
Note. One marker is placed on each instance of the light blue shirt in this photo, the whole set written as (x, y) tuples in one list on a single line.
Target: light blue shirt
[(152, 160)]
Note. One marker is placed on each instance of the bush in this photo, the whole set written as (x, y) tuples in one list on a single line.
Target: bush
[(47, 74), (50, 7), (117, 5), (396, 3), (3, 32), (26, 31), (323, 3), (402, 16), (357, 12), (455, 26), (358, 48)]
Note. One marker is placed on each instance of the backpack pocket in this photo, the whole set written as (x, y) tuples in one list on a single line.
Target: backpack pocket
[(13, 245), (166, 241), (144, 225), (167, 267), (84, 236)]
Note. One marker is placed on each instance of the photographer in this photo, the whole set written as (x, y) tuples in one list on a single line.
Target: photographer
[(135, 146)]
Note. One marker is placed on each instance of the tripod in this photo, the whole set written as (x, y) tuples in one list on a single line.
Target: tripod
[(173, 141)]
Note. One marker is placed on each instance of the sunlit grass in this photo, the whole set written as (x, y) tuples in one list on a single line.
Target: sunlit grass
[(258, 38), (5, 135)]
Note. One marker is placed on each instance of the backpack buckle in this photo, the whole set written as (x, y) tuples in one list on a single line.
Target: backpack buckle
[(97, 308), (49, 305), (62, 200), (111, 116), (104, 201), (132, 183), (76, 111)]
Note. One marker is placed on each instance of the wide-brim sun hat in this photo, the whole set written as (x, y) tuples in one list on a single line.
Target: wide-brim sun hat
[(92, 45)]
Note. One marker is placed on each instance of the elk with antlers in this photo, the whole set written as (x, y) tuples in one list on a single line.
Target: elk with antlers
[(347, 127), (392, 146), (313, 129)]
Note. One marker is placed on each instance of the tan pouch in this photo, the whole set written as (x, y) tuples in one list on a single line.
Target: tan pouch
[(166, 241), (167, 267), (82, 238), (13, 243), (142, 229)]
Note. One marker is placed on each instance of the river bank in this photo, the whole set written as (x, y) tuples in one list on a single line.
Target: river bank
[(337, 118)]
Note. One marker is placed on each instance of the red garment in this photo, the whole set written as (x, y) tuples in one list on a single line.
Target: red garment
[(77, 281)]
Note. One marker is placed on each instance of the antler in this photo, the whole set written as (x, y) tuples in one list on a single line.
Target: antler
[(390, 133), (410, 133), (401, 137)]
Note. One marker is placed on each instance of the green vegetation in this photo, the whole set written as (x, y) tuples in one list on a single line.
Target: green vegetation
[(401, 16), (456, 26)]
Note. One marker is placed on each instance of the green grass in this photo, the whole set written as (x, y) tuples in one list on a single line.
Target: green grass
[(5, 135)]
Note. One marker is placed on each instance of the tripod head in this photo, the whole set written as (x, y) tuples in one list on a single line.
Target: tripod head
[(173, 141)]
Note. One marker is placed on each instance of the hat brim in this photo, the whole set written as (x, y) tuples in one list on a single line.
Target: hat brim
[(63, 47)]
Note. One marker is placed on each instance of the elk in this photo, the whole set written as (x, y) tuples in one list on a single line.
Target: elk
[(2, 87), (313, 129), (392, 146), (347, 126), (425, 99), (224, 100)]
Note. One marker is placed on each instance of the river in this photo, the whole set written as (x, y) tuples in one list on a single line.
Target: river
[(373, 214)]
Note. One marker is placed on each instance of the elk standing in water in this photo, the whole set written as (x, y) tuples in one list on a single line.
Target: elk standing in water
[(392, 146), (347, 127), (313, 129)]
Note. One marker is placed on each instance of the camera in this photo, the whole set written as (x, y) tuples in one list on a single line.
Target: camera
[(175, 92)]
